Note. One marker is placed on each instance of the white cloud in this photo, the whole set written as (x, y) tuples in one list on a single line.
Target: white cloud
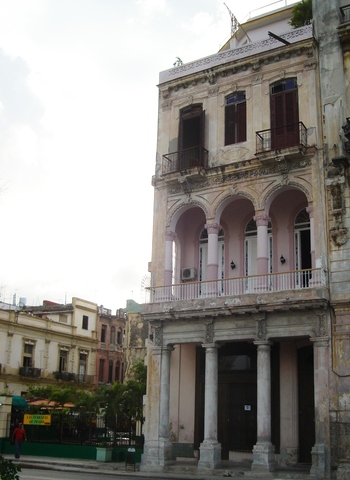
[(149, 8)]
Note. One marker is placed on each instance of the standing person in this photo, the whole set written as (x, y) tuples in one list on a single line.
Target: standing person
[(19, 436)]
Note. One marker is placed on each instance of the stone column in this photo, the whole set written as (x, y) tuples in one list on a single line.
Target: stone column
[(262, 222), (5, 410), (321, 451), (168, 260), (212, 265), (264, 451), (210, 448), (158, 447), (289, 426)]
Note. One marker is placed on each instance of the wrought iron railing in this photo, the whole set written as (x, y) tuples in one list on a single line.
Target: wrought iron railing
[(65, 376), (281, 137), (185, 159), (30, 372), (272, 282)]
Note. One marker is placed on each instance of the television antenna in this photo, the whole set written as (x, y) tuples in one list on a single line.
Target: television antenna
[(235, 24)]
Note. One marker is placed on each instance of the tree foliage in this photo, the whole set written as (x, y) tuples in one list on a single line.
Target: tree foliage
[(8, 470), (301, 14)]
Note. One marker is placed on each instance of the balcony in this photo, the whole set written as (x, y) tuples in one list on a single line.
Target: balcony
[(194, 157), (238, 286), (282, 138), (65, 376), (30, 372)]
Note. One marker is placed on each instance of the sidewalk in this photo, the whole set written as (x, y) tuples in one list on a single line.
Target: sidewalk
[(180, 470)]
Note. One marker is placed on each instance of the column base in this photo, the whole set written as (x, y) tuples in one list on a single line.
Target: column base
[(319, 461), (343, 470), (264, 457), (288, 456), (156, 456), (209, 455)]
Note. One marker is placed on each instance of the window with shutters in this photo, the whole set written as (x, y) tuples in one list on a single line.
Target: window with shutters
[(235, 118), (284, 114)]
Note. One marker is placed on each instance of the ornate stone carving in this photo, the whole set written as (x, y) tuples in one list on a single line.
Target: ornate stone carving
[(209, 332), (322, 326), (336, 181), (158, 336), (261, 328)]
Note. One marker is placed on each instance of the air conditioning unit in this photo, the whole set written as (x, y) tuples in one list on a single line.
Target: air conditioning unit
[(188, 274)]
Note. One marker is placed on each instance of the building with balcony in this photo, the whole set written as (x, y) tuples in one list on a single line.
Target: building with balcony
[(110, 354), (248, 354), (48, 343)]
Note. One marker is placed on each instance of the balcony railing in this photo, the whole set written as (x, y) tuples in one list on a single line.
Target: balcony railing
[(294, 135), (185, 159), (272, 282), (65, 376), (30, 372)]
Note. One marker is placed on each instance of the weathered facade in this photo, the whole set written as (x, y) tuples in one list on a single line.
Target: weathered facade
[(136, 335), (48, 344), (110, 354), (249, 351)]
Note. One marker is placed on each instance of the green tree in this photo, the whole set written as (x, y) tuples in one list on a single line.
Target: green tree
[(8, 471), (301, 14)]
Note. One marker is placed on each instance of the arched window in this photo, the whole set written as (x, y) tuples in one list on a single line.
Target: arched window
[(235, 118), (120, 336)]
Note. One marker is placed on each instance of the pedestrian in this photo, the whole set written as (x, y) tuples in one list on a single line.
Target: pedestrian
[(19, 436)]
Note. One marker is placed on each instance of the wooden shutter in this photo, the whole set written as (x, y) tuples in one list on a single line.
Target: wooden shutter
[(230, 124), (241, 119)]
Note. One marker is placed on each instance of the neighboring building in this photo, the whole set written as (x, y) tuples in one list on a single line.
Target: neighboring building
[(110, 355), (49, 343), (249, 312), (136, 335)]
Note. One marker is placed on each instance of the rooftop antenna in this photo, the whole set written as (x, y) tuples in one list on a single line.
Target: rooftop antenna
[(235, 24)]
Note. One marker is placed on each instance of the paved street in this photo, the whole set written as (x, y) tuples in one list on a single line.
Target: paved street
[(36, 474)]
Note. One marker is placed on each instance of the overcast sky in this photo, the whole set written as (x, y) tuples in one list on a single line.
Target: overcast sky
[(78, 120)]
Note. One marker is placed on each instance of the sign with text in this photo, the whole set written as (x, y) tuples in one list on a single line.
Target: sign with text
[(37, 419)]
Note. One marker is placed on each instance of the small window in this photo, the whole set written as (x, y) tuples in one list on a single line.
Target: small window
[(63, 318), (103, 333), (85, 325), (63, 361), (235, 118), (28, 355)]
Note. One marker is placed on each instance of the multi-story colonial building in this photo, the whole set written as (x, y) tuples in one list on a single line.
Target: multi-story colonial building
[(43, 344), (249, 311), (110, 355)]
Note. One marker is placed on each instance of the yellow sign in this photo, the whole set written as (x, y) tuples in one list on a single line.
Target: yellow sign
[(37, 419)]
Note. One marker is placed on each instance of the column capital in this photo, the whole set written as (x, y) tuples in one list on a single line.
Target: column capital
[(320, 341), (211, 345), (169, 235), (310, 211), (262, 220), (212, 228), (263, 343), (161, 350)]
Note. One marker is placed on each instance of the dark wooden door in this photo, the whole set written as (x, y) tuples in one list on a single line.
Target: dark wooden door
[(284, 119)]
